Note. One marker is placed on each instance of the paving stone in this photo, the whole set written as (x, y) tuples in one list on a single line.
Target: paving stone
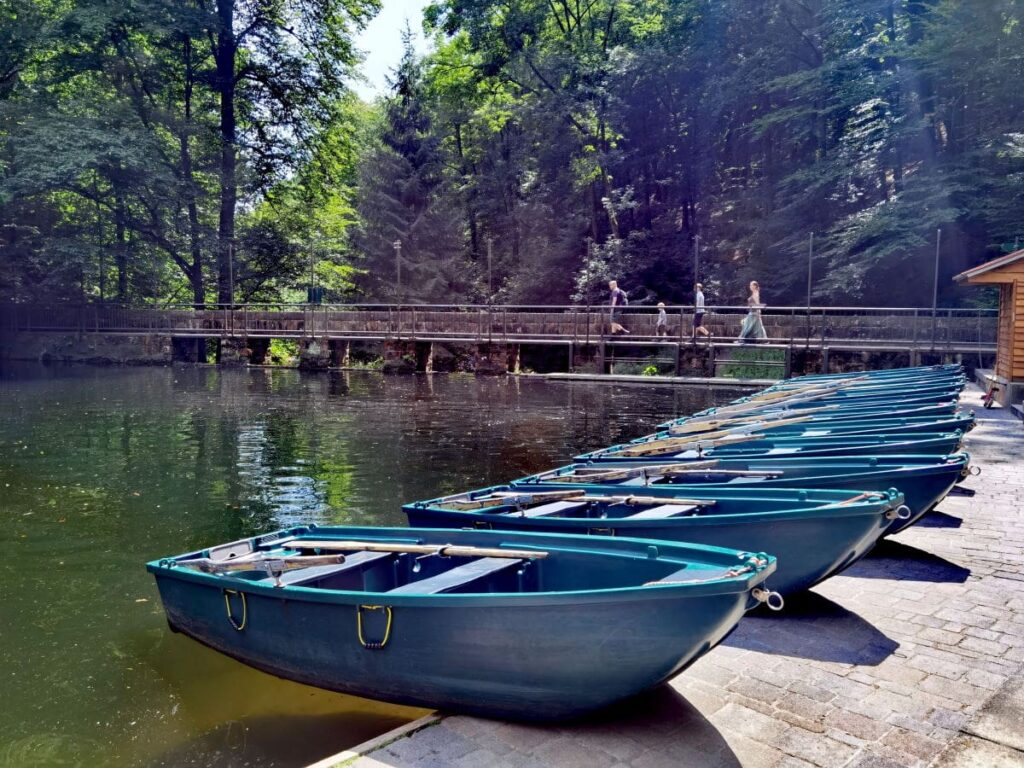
[(857, 725), (815, 748), (890, 664), (912, 743), (969, 752)]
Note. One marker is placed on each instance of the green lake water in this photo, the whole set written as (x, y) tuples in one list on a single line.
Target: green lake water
[(102, 469)]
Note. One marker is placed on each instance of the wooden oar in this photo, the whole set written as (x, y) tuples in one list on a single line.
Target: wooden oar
[(527, 500), (855, 499), (631, 500), (677, 444), (749, 407), (729, 472), (753, 425), (709, 423), (445, 550), (513, 498), (624, 473), (276, 564)]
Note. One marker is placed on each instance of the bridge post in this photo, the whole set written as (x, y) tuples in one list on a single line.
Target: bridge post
[(340, 349), (233, 352), (495, 359), (260, 349), (185, 349), (399, 356), (314, 355), (424, 353)]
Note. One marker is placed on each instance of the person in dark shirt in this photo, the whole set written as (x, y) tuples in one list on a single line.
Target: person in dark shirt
[(618, 301)]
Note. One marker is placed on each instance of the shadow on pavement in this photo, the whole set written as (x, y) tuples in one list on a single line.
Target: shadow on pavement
[(959, 490), (665, 723), (936, 519), (813, 627), (895, 560)]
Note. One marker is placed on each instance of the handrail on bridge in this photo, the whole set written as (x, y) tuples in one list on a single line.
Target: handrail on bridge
[(574, 323)]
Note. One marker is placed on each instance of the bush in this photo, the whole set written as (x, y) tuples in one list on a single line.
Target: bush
[(744, 364)]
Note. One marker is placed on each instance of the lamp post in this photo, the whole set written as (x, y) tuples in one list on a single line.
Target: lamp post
[(696, 259), (398, 269), (490, 281), (935, 284)]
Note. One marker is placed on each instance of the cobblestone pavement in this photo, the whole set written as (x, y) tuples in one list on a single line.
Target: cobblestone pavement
[(889, 664)]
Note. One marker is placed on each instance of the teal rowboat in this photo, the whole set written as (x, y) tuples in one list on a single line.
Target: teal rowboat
[(924, 371), (923, 480), (697, 447), (813, 533), (831, 414), (812, 426), (510, 625)]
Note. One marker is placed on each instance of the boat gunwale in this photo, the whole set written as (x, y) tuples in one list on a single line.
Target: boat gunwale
[(550, 479), (837, 509), (837, 442), (168, 567)]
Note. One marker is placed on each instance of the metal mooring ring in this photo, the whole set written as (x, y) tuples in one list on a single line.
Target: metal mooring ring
[(772, 599)]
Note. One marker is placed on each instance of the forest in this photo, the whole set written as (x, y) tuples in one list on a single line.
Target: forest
[(200, 152)]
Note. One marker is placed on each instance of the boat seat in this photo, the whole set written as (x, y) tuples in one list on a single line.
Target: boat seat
[(662, 511), (302, 576), (551, 508), (457, 577)]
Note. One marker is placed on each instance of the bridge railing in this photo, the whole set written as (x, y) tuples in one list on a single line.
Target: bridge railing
[(882, 326)]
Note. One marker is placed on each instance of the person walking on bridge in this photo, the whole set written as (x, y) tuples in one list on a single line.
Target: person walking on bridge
[(618, 301), (753, 328), (698, 311)]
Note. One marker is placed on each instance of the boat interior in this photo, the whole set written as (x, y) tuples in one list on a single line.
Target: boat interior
[(584, 504), (412, 567), (740, 472)]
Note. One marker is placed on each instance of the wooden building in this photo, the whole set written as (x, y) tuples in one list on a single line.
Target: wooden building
[(1008, 273)]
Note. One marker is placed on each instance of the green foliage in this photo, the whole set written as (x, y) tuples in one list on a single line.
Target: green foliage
[(540, 150), (744, 364)]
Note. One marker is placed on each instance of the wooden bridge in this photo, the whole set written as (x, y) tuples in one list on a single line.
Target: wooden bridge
[(913, 331)]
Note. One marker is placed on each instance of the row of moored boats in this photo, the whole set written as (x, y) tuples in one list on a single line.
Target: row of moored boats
[(568, 590)]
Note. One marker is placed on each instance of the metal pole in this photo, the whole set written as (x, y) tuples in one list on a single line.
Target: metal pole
[(810, 280), (810, 266), (231, 274), (398, 270), (490, 282), (696, 259), (935, 285), (312, 278)]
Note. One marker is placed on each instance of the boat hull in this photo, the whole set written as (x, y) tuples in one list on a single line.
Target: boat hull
[(922, 486), (856, 445), (809, 545), (497, 655)]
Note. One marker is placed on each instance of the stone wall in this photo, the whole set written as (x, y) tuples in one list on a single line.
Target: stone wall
[(98, 348)]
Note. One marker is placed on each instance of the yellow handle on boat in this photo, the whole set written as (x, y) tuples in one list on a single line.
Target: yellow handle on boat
[(239, 626), (373, 646)]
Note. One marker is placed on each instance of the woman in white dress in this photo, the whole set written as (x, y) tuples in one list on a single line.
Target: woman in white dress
[(752, 327)]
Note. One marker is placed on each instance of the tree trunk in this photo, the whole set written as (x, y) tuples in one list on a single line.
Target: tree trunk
[(225, 85), (195, 247), (120, 246)]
